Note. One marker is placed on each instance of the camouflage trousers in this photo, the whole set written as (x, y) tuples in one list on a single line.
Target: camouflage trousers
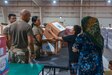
[(19, 55)]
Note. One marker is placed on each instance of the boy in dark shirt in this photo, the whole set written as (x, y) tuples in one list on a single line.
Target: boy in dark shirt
[(70, 39)]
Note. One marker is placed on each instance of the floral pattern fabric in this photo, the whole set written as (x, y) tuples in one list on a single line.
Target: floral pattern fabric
[(90, 59)]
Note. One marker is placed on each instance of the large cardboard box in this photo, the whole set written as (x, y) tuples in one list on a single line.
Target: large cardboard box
[(47, 34), (2, 45), (56, 27), (4, 65), (58, 30)]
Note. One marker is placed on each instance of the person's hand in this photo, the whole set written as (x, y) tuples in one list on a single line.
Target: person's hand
[(33, 56), (74, 49)]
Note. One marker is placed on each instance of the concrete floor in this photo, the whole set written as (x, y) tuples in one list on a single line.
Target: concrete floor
[(108, 54), (65, 72)]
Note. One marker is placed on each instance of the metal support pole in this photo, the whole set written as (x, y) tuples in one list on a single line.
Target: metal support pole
[(4, 13), (81, 12)]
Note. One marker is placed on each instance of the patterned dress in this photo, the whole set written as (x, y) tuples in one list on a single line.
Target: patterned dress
[(90, 56)]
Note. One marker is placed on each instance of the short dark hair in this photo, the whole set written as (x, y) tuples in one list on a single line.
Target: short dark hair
[(9, 16), (77, 29)]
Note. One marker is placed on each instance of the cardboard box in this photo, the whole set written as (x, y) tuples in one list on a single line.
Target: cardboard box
[(2, 45), (47, 34), (56, 27), (58, 30), (4, 65)]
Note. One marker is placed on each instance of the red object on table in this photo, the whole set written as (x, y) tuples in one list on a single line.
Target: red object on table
[(2, 45)]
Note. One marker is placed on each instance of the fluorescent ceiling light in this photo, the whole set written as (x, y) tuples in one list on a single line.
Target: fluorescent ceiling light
[(54, 2), (109, 1), (6, 2), (60, 17)]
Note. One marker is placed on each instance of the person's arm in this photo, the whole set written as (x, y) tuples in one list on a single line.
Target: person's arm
[(8, 41), (56, 37), (37, 32), (31, 46), (39, 37), (30, 43)]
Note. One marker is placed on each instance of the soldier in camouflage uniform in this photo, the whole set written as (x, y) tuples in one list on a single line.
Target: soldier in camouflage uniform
[(20, 36)]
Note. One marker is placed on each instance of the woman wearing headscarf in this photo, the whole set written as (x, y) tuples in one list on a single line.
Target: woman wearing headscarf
[(89, 44)]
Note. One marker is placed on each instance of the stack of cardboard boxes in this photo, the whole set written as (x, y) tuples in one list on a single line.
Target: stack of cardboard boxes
[(53, 45), (3, 56)]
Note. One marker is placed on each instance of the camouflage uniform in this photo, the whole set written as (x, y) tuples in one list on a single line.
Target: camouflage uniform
[(18, 36), (37, 48), (19, 55)]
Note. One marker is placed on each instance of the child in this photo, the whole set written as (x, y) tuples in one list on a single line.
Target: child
[(109, 72), (110, 65), (70, 39)]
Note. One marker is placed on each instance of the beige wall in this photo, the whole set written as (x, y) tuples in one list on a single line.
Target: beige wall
[(70, 15)]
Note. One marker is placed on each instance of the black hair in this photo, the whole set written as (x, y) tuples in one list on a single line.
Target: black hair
[(34, 18), (9, 16), (77, 29)]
